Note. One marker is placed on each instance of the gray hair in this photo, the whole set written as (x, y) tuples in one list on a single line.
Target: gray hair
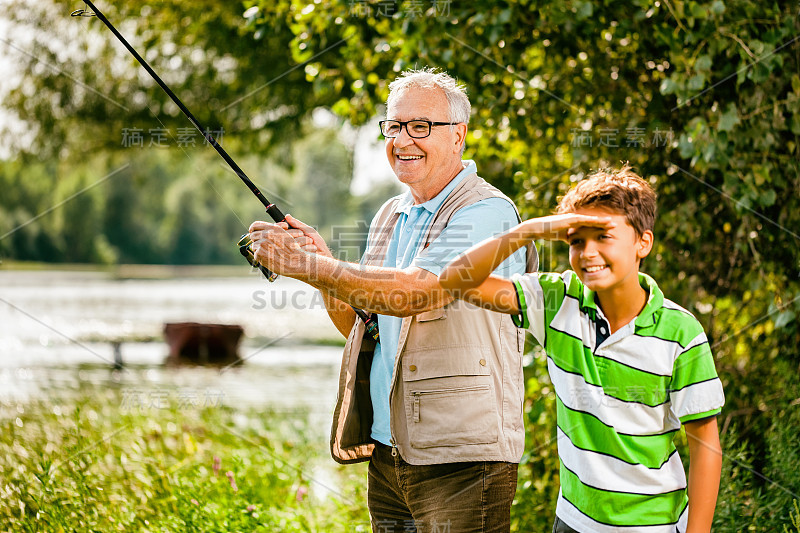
[(428, 78)]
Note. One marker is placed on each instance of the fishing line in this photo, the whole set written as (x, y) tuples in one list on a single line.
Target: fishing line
[(245, 244)]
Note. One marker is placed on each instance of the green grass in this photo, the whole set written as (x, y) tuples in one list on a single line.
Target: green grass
[(98, 461), (92, 464)]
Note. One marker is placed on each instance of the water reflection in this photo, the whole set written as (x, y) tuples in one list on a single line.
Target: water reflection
[(57, 330)]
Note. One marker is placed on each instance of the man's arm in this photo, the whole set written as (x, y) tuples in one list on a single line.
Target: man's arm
[(341, 314), (705, 466), (469, 276), (388, 291)]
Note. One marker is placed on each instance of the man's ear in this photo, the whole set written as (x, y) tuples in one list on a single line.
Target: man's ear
[(645, 244), (461, 136)]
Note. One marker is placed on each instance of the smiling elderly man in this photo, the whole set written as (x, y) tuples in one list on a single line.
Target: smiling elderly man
[(436, 404)]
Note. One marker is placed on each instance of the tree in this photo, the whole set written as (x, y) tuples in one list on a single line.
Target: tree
[(700, 96)]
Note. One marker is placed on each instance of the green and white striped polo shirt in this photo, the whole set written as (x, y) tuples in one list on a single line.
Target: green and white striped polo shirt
[(621, 399)]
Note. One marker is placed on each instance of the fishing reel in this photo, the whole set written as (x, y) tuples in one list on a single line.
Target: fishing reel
[(246, 249)]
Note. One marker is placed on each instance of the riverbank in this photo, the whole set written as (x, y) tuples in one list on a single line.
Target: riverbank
[(89, 446)]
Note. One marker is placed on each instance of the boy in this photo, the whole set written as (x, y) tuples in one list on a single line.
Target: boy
[(628, 366)]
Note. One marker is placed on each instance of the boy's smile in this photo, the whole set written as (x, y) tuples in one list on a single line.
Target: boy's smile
[(607, 260)]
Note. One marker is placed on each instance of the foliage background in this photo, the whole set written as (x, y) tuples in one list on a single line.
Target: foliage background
[(700, 96)]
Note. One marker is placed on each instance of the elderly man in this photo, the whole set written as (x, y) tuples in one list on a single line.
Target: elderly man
[(436, 404)]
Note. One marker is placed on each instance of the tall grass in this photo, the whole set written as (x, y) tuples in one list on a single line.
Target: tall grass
[(92, 464), (100, 462)]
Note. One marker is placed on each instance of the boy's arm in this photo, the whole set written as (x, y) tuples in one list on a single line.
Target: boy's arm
[(705, 466), (469, 275)]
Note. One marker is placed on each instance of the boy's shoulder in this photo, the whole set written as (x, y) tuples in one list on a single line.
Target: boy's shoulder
[(671, 321), (555, 285), (567, 279)]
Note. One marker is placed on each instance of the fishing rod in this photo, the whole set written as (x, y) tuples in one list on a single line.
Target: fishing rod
[(245, 243)]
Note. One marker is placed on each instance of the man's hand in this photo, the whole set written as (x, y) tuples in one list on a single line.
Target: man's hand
[(560, 227), (305, 236), (275, 248)]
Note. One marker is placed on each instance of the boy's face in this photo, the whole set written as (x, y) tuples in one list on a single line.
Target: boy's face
[(608, 259)]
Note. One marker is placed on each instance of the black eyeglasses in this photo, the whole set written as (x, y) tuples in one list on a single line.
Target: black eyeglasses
[(417, 129)]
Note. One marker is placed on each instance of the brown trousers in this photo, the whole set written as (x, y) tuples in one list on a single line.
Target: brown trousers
[(472, 497)]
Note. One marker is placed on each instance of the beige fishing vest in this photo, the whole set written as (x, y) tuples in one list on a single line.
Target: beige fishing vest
[(457, 387)]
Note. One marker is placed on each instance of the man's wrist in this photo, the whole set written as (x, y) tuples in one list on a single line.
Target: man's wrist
[(317, 271)]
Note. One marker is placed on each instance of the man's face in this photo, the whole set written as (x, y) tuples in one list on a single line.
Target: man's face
[(430, 161), (608, 259)]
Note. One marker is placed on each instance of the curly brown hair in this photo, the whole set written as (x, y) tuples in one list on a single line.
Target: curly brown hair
[(621, 191)]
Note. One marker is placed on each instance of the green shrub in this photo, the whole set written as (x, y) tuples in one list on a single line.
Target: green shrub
[(758, 488), (538, 481), (795, 518)]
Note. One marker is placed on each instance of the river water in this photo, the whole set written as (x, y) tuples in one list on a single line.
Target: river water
[(57, 328)]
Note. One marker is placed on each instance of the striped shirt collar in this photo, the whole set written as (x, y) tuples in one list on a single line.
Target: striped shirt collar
[(655, 300)]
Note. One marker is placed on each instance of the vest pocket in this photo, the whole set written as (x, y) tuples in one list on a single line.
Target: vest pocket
[(452, 416), (449, 396), (433, 314)]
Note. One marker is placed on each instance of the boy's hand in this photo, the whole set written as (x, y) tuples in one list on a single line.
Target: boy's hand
[(560, 227)]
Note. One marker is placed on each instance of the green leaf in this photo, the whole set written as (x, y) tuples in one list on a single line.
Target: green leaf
[(783, 319), (757, 47), (584, 10), (728, 119), (796, 84), (795, 127), (768, 198), (668, 86), (698, 11), (686, 147), (703, 63), (709, 151), (696, 82)]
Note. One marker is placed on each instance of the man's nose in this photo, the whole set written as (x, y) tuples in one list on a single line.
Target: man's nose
[(403, 138)]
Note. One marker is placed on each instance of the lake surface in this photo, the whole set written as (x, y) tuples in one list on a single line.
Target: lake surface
[(57, 329)]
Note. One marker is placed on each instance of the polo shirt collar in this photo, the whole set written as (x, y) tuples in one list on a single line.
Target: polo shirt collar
[(407, 201), (655, 300)]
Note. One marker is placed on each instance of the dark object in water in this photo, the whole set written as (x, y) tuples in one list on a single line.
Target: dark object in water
[(192, 343), (117, 347)]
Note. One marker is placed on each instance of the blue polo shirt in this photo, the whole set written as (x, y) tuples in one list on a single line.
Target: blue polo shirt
[(469, 226)]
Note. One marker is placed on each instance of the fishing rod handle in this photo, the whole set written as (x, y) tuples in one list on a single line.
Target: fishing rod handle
[(275, 213), (246, 249), (246, 245), (370, 323)]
